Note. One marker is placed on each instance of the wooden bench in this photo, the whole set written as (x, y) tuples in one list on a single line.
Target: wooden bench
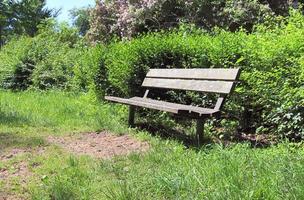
[(219, 81)]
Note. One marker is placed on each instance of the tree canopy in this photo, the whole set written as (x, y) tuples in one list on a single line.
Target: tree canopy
[(81, 19), (22, 17)]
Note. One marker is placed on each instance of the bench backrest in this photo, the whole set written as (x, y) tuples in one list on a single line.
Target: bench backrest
[(217, 80)]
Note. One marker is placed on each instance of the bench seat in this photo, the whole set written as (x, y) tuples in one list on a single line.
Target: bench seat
[(179, 109)]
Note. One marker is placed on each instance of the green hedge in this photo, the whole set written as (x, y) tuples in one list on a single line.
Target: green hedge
[(45, 61), (15, 66), (270, 98), (89, 74)]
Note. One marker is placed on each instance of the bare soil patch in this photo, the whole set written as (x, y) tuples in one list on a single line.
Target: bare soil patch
[(10, 197), (100, 145), (14, 170), (17, 169)]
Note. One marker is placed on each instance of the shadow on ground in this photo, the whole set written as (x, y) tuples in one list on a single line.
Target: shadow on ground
[(12, 118), (169, 133), (255, 141), (14, 140)]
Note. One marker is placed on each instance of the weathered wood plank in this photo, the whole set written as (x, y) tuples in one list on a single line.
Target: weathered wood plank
[(164, 106), (138, 103), (180, 107), (219, 103), (223, 87), (204, 74)]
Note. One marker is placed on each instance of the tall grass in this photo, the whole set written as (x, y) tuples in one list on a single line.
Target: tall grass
[(57, 111), (168, 170)]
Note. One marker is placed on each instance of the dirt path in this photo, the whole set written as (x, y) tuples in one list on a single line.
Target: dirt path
[(15, 166), (15, 170), (100, 145)]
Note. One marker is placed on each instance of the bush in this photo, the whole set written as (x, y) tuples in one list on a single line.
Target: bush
[(57, 49), (89, 70), (45, 61), (15, 65), (271, 63)]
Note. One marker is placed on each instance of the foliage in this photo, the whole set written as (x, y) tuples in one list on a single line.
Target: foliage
[(22, 17), (58, 52), (81, 19), (45, 61), (125, 19), (15, 64), (270, 59), (89, 71)]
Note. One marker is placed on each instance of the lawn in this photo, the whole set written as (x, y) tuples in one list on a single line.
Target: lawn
[(168, 170)]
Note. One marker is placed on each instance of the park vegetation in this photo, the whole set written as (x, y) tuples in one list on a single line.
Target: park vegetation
[(53, 79), (269, 99)]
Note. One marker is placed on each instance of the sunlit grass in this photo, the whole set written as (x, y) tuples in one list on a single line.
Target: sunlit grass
[(168, 170), (57, 112)]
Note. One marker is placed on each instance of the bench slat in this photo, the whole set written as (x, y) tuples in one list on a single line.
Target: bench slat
[(135, 102), (164, 106), (204, 74), (222, 87), (180, 107)]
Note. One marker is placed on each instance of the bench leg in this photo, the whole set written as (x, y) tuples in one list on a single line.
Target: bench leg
[(200, 131), (131, 116)]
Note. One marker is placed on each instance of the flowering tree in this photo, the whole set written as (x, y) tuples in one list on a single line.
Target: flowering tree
[(127, 18)]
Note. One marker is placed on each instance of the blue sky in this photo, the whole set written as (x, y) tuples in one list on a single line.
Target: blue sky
[(67, 5)]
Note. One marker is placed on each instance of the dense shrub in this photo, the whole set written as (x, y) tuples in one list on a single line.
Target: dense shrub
[(58, 49), (45, 61), (89, 70), (269, 99), (15, 65)]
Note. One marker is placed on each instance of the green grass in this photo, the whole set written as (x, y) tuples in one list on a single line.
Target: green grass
[(56, 111), (167, 171)]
